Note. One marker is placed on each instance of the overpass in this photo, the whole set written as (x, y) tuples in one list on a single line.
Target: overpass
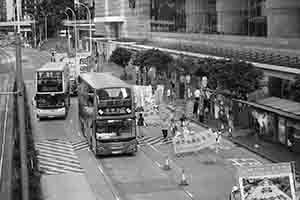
[(282, 72), (9, 25)]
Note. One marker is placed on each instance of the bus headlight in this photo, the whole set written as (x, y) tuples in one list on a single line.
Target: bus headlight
[(100, 112), (98, 136), (128, 110)]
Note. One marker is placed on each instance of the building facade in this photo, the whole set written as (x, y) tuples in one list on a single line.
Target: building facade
[(138, 18)]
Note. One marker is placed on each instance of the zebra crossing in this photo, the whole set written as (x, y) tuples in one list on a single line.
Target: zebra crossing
[(153, 140), (80, 145), (57, 157)]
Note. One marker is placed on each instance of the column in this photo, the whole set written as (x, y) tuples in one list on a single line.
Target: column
[(283, 18), (195, 15), (229, 18)]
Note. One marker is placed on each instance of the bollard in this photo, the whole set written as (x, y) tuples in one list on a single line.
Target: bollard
[(167, 164), (183, 181)]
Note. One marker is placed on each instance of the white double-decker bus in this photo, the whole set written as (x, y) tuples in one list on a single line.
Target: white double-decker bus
[(52, 98), (107, 114)]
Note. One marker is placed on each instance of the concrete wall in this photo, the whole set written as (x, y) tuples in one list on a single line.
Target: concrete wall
[(244, 41), (195, 15), (136, 20), (229, 15), (283, 18)]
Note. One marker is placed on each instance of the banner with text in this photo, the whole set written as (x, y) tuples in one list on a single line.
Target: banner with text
[(267, 182), (189, 141)]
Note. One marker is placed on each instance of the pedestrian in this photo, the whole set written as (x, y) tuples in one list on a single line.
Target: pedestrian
[(141, 123), (169, 94), (182, 120), (230, 123), (197, 94), (173, 127), (172, 91)]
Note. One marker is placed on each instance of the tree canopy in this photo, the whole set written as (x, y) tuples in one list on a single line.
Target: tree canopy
[(54, 9), (240, 78), (296, 89), (153, 58), (121, 56)]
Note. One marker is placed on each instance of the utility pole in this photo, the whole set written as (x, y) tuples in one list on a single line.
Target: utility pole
[(21, 113)]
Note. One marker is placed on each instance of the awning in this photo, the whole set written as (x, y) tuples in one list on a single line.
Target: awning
[(282, 107)]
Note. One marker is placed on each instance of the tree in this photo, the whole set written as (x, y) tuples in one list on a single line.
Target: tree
[(296, 89), (152, 58), (53, 8), (237, 77), (121, 56)]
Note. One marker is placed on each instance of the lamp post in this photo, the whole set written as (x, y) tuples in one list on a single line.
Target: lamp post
[(68, 32), (21, 111), (90, 23), (75, 29), (34, 27), (45, 15)]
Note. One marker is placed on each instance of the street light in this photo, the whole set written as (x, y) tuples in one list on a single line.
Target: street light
[(90, 23), (73, 13), (34, 27), (68, 31), (45, 15)]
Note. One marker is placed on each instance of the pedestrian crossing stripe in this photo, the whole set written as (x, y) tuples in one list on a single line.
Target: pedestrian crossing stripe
[(57, 157), (80, 145), (150, 140)]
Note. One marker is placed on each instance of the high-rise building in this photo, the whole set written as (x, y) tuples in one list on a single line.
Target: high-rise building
[(138, 18)]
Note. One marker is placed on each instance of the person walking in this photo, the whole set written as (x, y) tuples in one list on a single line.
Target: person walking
[(197, 94), (173, 126), (141, 123)]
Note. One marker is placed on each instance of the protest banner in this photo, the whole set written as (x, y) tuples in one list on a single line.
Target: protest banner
[(191, 142), (267, 182)]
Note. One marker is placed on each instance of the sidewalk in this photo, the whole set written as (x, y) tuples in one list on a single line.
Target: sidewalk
[(270, 151)]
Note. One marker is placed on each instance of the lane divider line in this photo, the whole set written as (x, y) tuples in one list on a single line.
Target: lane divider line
[(189, 194), (106, 178), (4, 136)]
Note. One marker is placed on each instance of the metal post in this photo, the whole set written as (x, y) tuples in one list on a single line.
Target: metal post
[(69, 48), (75, 29), (90, 23), (46, 27), (34, 27), (21, 113)]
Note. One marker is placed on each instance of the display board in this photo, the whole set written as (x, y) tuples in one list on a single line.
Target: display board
[(267, 182)]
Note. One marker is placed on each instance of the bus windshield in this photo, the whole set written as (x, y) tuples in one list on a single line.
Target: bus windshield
[(114, 93), (50, 101), (112, 129), (49, 81)]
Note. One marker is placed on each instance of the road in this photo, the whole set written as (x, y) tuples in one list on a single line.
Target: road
[(71, 171), (6, 119)]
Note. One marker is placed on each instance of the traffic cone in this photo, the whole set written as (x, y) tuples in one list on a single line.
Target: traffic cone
[(183, 181), (167, 164)]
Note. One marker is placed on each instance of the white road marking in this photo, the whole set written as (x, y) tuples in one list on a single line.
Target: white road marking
[(244, 162), (56, 150), (4, 136), (189, 194), (44, 151)]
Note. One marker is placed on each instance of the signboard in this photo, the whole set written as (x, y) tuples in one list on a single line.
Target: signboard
[(189, 141), (267, 182)]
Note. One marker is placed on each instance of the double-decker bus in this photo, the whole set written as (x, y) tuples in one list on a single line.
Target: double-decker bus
[(52, 97), (107, 113)]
